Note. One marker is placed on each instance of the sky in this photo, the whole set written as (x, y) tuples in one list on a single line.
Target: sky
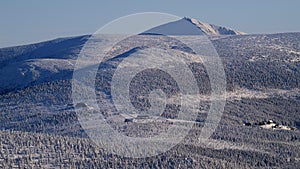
[(31, 21)]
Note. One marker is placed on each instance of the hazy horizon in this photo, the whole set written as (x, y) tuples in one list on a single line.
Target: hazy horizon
[(35, 21)]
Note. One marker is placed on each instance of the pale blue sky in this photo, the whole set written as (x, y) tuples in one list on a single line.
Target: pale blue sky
[(29, 21)]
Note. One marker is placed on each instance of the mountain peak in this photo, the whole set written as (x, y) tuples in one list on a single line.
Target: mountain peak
[(210, 29), (191, 26)]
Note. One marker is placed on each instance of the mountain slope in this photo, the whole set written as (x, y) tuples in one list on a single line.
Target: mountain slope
[(26, 65), (37, 119), (190, 26), (210, 29)]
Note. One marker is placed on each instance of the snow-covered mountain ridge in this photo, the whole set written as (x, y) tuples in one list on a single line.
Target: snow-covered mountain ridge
[(190, 26), (210, 29)]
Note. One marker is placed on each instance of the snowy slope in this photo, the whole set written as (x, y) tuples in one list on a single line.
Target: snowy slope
[(190, 26), (25, 73), (27, 65), (61, 48), (22, 66), (210, 29)]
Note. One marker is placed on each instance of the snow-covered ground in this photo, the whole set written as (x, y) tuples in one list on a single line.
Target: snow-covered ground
[(35, 87)]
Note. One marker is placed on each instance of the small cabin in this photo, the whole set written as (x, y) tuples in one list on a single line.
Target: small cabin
[(294, 129), (81, 105), (247, 124), (127, 120)]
